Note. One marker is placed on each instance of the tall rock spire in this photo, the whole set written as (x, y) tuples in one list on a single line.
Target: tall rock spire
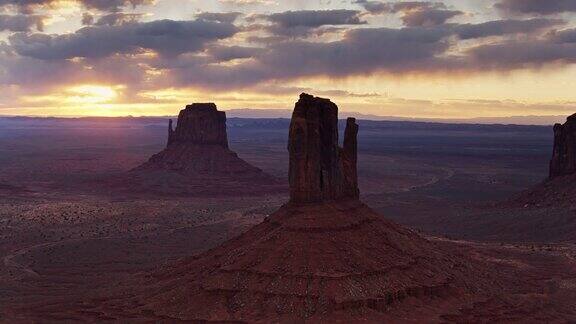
[(323, 258), (349, 159), (319, 169), (563, 160)]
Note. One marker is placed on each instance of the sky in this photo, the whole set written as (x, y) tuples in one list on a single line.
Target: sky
[(418, 59)]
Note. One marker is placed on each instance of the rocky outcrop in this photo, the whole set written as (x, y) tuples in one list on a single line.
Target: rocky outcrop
[(564, 155), (170, 133), (323, 258), (197, 159), (319, 169), (349, 160), (200, 124)]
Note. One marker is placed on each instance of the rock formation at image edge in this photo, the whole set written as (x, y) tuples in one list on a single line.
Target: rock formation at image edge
[(563, 160), (559, 189)]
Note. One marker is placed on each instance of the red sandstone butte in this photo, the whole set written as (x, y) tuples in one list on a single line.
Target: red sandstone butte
[(319, 169), (198, 160), (323, 257)]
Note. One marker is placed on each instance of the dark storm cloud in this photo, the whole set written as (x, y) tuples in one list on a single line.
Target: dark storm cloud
[(163, 36), (224, 17), (543, 7), (21, 23)]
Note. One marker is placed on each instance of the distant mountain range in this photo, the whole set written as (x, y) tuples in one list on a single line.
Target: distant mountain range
[(515, 120), (286, 113)]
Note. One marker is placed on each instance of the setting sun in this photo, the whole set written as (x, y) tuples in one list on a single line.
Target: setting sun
[(91, 94)]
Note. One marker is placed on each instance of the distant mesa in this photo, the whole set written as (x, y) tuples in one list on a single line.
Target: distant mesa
[(198, 160), (322, 257), (564, 154)]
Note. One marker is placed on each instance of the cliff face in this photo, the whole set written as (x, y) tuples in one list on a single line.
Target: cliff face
[(564, 155), (200, 124), (197, 159), (323, 258), (319, 169)]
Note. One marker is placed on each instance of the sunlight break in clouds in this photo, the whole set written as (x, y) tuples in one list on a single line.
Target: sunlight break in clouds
[(439, 59)]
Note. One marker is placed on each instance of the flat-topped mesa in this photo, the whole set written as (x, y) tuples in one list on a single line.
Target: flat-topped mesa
[(201, 124), (319, 169), (563, 160)]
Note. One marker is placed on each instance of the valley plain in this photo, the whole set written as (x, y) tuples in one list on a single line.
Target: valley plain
[(63, 233)]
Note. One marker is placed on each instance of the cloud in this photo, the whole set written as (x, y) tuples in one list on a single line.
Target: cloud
[(378, 7), (542, 7), (241, 3), (315, 18), (117, 19), (204, 53), (229, 53), (223, 17), (505, 27), (167, 37), (21, 23), (521, 55), (191, 55), (362, 51), (366, 51), (429, 17), (103, 5), (414, 13), (113, 5), (303, 22), (30, 76), (87, 19), (563, 36)]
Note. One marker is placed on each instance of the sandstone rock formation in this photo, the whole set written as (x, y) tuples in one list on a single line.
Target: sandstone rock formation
[(200, 124), (323, 257), (319, 169), (564, 155), (559, 190), (197, 160)]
